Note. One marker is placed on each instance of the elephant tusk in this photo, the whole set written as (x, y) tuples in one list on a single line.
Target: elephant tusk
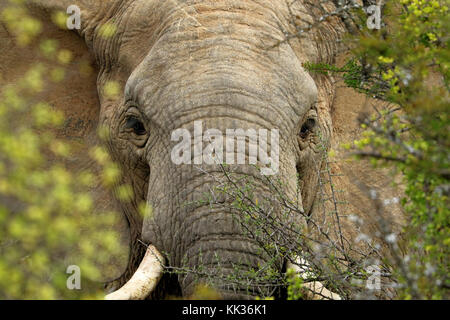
[(144, 280), (315, 289)]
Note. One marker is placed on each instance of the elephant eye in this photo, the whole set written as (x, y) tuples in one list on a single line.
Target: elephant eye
[(307, 127), (136, 125)]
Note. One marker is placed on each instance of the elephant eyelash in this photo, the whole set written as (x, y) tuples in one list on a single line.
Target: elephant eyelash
[(307, 127), (136, 125)]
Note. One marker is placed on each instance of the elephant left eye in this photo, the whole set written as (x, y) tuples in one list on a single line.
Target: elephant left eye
[(136, 125), (307, 127)]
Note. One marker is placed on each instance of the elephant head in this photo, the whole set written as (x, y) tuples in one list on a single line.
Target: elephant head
[(223, 65)]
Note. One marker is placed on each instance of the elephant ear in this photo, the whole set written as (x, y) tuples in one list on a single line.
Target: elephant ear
[(75, 96), (357, 182), (353, 179), (91, 12)]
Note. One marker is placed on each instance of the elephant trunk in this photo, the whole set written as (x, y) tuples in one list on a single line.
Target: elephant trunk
[(221, 257), (223, 271), (204, 234)]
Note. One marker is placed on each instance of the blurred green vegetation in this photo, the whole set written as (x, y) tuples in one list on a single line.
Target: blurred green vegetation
[(48, 219), (406, 64)]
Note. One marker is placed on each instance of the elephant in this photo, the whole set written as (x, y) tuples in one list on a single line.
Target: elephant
[(225, 64)]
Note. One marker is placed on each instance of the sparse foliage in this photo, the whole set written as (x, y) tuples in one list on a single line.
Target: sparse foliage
[(47, 219)]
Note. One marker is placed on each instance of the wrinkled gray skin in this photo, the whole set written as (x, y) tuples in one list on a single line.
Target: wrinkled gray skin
[(185, 61)]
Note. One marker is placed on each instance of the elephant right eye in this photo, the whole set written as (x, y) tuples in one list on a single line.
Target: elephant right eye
[(132, 123)]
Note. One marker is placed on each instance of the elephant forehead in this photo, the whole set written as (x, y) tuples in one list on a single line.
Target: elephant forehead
[(198, 54), (194, 77), (146, 21)]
